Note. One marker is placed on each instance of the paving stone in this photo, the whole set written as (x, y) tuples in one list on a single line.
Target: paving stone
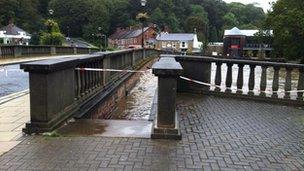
[(218, 134)]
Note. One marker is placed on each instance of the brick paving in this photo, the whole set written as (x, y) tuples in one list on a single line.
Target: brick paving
[(14, 113), (218, 134)]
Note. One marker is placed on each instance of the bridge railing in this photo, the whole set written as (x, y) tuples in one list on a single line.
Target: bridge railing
[(61, 88), (258, 46), (11, 51), (268, 81)]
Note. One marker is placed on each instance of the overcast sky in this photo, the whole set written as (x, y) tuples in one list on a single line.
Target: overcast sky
[(262, 3)]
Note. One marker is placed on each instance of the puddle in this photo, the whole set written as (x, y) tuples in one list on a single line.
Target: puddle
[(82, 128), (137, 105), (107, 128)]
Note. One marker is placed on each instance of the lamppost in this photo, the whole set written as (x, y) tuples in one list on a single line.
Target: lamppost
[(51, 12), (101, 36), (99, 32), (68, 31), (105, 41), (143, 4)]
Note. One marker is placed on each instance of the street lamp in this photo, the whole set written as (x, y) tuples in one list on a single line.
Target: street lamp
[(51, 12), (68, 30), (143, 4), (101, 36), (99, 31)]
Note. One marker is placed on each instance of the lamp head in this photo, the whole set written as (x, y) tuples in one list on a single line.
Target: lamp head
[(143, 2), (51, 12)]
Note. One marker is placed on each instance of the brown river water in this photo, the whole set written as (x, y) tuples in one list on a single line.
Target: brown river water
[(137, 105)]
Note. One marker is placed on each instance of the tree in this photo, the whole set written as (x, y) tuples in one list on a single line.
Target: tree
[(24, 13), (52, 34), (230, 21), (198, 20), (287, 22)]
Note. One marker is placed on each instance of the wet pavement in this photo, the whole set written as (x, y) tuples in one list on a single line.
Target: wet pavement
[(13, 116), (106, 128), (218, 134), (12, 80)]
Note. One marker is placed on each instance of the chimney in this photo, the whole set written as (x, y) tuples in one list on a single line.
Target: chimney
[(11, 21)]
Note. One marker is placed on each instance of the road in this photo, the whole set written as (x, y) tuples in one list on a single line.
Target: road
[(12, 80)]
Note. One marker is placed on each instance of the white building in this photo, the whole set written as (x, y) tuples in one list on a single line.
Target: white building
[(12, 34), (178, 42)]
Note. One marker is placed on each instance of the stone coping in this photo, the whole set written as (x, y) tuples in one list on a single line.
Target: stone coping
[(237, 61), (167, 66)]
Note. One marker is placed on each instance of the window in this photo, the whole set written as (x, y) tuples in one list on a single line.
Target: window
[(183, 44), (235, 41)]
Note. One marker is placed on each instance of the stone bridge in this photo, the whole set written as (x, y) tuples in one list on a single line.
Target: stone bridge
[(225, 114)]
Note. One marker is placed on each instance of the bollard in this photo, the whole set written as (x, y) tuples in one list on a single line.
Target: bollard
[(166, 124)]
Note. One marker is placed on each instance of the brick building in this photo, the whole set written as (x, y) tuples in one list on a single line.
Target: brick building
[(132, 37)]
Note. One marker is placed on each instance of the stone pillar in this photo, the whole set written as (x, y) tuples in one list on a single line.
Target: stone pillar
[(52, 93), (17, 51), (75, 50), (53, 50), (106, 65), (166, 125)]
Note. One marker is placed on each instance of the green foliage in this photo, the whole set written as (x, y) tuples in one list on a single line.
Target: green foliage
[(82, 18), (142, 17), (198, 21), (52, 35), (22, 12), (287, 22), (1, 41)]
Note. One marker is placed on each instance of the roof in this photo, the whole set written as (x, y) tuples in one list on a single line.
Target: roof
[(11, 29), (77, 43), (176, 36), (237, 32), (127, 33), (234, 32)]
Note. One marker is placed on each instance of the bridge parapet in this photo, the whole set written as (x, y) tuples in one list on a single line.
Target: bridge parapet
[(11, 51), (58, 90), (259, 80)]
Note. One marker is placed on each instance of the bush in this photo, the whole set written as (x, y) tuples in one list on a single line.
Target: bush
[(1, 41), (51, 39), (52, 35)]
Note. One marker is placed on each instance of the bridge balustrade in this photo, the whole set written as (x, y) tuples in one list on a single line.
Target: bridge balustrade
[(267, 81), (62, 88), (12, 51)]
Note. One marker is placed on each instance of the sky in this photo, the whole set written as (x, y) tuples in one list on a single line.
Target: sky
[(262, 3)]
